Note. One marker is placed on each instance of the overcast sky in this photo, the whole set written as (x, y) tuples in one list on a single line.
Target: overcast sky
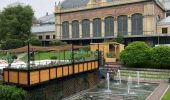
[(40, 7)]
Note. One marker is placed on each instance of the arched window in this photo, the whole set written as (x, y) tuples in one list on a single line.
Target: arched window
[(137, 24), (97, 27), (75, 29), (109, 26), (65, 29), (123, 25), (85, 28)]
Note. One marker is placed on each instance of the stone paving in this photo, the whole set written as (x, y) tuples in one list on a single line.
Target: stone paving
[(159, 91)]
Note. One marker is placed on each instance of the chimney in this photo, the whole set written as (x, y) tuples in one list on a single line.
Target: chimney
[(92, 2)]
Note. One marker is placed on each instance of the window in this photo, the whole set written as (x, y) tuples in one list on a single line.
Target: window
[(85, 28), (137, 24), (109, 26), (97, 27), (47, 36), (53, 36), (65, 30), (75, 29), (40, 37), (164, 30), (123, 25)]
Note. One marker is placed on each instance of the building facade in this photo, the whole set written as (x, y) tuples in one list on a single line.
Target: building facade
[(44, 29)]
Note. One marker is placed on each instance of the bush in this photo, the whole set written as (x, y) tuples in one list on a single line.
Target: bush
[(160, 57), (53, 57), (57, 43), (12, 93), (12, 44), (136, 54), (35, 42)]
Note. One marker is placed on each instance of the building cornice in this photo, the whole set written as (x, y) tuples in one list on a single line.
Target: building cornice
[(107, 5)]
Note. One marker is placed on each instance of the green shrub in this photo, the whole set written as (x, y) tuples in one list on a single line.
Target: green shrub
[(57, 43), (53, 57), (12, 93), (35, 42), (136, 54), (160, 57), (12, 44)]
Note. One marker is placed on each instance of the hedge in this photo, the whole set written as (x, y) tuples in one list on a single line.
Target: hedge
[(12, 44), (12, 93), (139, 54)]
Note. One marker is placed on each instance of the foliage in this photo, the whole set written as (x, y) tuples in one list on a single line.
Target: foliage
[(12, 44), (16, 22), (53, 57), (35, 42), (120, 39), (135, 54), (12, 93), (160, 56), (57, 43)]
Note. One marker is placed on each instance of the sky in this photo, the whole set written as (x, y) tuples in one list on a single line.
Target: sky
[(40, 7)]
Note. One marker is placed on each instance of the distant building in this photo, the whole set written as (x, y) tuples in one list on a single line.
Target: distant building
[(85, 21), (45, 29)]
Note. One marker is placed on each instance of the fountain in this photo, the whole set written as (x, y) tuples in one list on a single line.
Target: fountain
[(108, 83), (129, 83), (138, 77), (119, 76)]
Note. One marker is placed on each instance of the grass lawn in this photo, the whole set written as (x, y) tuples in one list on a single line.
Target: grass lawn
[(166, 96), (67, 55)]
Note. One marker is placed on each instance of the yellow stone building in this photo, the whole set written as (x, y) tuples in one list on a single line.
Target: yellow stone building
[(86, 21)]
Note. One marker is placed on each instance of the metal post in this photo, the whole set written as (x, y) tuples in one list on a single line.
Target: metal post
[(98, 56), (72, 48), (28, 71)]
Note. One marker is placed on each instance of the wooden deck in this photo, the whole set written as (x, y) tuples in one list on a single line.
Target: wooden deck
[(32, 77)]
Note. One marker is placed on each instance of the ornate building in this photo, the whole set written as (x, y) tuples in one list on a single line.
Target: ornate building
[(85, 21)]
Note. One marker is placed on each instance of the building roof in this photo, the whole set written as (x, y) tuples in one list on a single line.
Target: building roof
[(165, 21), (66, 4), (47, 19), (43, 29)]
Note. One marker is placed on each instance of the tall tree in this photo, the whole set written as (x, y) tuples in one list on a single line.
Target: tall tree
[(16, 22)]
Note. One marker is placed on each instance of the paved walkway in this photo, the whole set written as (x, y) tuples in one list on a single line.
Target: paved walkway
[(159, 91)]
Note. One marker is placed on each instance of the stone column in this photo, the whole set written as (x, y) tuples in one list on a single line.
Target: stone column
[(103, 27), (58, 27), (70, 29), (80, 29), (115, 26), (129, 25), (91, 28)]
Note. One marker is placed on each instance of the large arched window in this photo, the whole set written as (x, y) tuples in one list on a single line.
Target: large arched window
[(75, 29), (137, 24), (85, 28), (97, 27), (109, 26), (123, 25), (65, 29)]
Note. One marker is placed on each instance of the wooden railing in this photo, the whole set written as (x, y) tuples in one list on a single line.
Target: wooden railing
[(32, 77)]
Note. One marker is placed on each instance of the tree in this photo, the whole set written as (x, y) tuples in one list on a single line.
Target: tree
[(12, 44), (136, 54), (16, 22), (160, 56)]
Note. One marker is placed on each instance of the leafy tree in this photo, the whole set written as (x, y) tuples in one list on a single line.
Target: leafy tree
[(160, 56), (136, 54), (16, 22), (12, 44)]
